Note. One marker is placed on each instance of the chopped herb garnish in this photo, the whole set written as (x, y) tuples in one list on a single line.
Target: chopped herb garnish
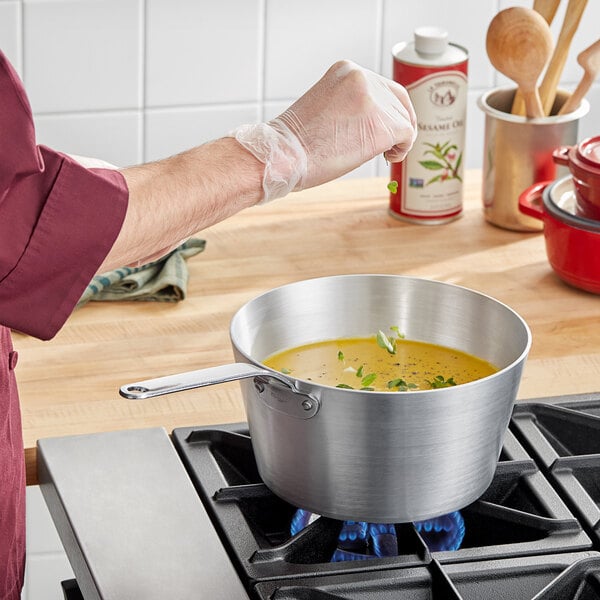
[(396, 330), (384, 342), (367, 389), (402, 385), (367, 380), (440, 382), (286, 371), (389, 343)]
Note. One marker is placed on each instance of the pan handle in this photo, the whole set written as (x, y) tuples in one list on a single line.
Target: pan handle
[(530, 200), (189, 380), (272, 395)]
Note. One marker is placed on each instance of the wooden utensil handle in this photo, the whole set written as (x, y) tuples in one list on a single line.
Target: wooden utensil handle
[(533, 105), (546, 8), (518, 105), (576, 97), (549, 85)]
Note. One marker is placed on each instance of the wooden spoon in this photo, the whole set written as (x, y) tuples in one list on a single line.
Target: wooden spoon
[(546, 8), (589, 59), (551, 78), (519, 44)]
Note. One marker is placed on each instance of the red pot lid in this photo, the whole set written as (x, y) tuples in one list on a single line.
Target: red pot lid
[(588, 152)]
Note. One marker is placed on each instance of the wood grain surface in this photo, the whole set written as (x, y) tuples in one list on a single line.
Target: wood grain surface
[(69, 385)]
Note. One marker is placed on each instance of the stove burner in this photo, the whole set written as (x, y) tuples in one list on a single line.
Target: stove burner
[(520, 514), (359, 540), (443, 533)]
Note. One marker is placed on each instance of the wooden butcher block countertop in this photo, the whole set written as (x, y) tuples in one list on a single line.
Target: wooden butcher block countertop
[(70, 384)]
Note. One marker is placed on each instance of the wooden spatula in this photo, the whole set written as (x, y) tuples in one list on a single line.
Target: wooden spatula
[(589, 59), (555, 68)]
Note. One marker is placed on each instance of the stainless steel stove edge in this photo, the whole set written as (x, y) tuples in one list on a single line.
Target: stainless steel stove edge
[(129, 518), (67, 535)]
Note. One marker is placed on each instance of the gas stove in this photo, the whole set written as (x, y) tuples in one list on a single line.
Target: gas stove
[(144, 514)]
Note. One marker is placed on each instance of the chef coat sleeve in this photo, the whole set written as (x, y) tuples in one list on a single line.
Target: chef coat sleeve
[(58, 220)]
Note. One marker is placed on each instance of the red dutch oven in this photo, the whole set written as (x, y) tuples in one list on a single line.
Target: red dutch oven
[(572, 241), (583, 160)]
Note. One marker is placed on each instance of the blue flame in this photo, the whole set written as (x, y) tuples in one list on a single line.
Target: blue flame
[(442, 533), (359, 540)]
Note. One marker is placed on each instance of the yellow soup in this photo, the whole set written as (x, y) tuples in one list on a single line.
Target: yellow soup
[(380, 363)]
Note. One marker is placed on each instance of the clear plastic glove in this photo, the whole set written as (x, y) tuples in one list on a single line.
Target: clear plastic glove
[(348, 117)]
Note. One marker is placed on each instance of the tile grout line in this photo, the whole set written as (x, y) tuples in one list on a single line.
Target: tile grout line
[(379, 54), (262, 57), (379, 36), (143, 74), (21, 28)]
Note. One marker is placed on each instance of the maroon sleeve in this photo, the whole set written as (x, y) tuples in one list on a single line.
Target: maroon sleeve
[(58, 220)]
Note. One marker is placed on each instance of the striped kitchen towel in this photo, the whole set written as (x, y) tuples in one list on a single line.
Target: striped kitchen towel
[(164, 280)]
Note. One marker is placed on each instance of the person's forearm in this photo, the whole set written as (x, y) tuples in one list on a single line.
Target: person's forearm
[(349, 116), (172, 199)]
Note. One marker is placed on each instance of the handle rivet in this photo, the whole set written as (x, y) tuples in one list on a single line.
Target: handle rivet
[(307, 405)]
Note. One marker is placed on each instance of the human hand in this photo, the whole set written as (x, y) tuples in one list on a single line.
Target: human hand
[(348, 117)]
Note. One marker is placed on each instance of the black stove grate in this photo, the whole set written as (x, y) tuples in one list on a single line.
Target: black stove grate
[(564, 439), (552, 577), (519, 515)]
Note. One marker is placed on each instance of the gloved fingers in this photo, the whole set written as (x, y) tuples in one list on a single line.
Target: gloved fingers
[(405, 107), (397, 153), (398, 116), (386, 106)]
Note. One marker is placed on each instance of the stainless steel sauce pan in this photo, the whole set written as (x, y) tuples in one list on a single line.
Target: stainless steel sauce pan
[(372, 456)]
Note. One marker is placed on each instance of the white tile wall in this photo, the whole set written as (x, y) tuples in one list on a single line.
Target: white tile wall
[(134, 80), (10, 32), (170, 130), (82, 55), (115, 136), (303, 38), (202, 53)]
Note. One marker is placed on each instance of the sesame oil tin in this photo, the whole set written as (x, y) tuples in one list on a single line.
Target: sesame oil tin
[(430, 179)]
